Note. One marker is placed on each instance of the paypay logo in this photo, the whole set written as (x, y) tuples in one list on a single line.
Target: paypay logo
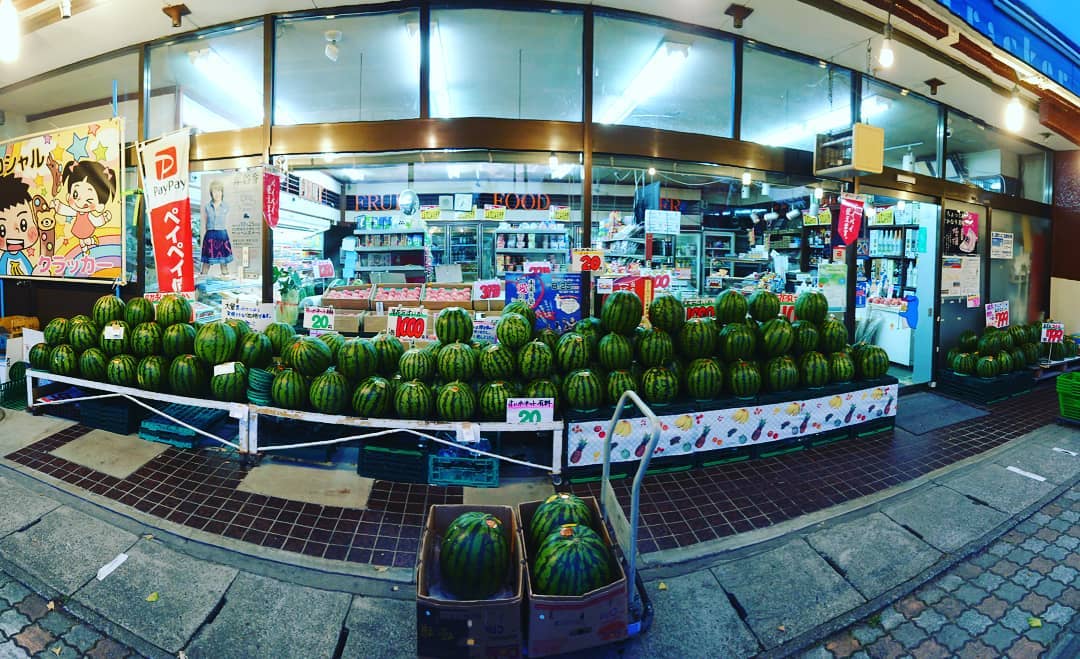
[(165, 163)]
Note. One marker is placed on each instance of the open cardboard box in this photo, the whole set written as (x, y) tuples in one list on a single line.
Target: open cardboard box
[(387, 304), (361, 303), (557, 624), (462, 628), (466, 303)]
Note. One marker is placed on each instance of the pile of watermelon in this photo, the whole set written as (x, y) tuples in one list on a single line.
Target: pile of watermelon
[(999, 351), (474, 556), (567, 554)]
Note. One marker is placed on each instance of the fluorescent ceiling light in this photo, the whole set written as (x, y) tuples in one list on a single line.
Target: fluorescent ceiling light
[(746, 179), (561, 171), (553, 161), (871, 107), (654, 77), (9, 32), (1014, 113)]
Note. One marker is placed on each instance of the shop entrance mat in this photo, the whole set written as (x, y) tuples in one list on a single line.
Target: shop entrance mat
[(923, 412)]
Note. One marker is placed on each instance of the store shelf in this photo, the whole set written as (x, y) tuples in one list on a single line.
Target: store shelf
[(546, 231), (384, 232), (387, 249), (529, 250), (892, 256), (616, 240), (380, 268), (892, 226), (621, 255)]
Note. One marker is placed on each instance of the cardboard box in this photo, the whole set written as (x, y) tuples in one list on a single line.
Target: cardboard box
[(559, 624), (396, 303), (349, 323), (488, 305), (374, 323), (362, 303), (437, 304), (479, 628)]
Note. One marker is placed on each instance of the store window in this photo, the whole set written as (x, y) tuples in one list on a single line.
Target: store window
[(508, 64), (652, 77), (979, 155), (80, 95), (910, 123), (1019, 254), (353, 68), (787, 100), (211, 84)]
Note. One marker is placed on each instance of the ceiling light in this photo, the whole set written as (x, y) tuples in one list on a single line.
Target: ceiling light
[(765, 189), (332, 51), (176, 13), (1014, 113), (9, 32), (819, 193), (653, 78), (652, 171), (886, 56), (65, 8), (738, 14), (746, 178), (553, 161), (901, 205), (745, 192)]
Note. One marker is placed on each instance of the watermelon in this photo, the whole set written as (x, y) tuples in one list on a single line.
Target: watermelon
[(731, 307), (592, 329), (655, 348), (492, 400), (254, 350), (242, 330), (106, 309), (388, 350), (416, 364), (764, 306), (572, 352), (986, 367), (116, 346), (81, 318), (814, 370), (659, 385), (39, 356), (556, 510), (666, 312), (329, 393), (520, 307), (413, 400), (777, 337), (1019, 335), (1004, 361), (372, 398), (289, 390), (616, 352), (698, 338), (456, 361), (215, 342), (178, 339), (146, 339), (841, 367), (455, 401), (621, 313), (63, 361), (83, 336), (619, 382), (138, 310), (969, 341), (834, 336), (280, 335), (454, 324), (781, 374), (989, 344), (513, 330), (964, 363), (1005, 340), (872, 363), (811, 306), (497, 362), (173, 309), (572, 560), (806, 337), (56, 332), (308, 356), (188, 376), (1031, 353), (704, 379), (544, 388), (737, 341), (92, 363), (122, 371), (744, 379), (231, 387), (474, 556), (150, 372), (333, 340), (535, 360), (583, 390), (548, 336)]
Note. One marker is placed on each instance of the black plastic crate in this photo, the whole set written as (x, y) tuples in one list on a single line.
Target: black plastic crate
[(281, 431), (983, 390), (112, 414), (400, 457)]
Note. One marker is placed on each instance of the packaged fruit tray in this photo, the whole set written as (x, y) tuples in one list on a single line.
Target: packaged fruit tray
[(440, 296), (398, 295), (349, 297)]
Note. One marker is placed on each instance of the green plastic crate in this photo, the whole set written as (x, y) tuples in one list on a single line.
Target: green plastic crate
[(471, 471)]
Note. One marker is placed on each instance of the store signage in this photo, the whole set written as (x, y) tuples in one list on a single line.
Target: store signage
[(310, 190), (555, 297), (850, 220), (494, 212), (537, 267), (530, 411), (522, 202), (372, 202), (1001, 245), (156, 297), (586, 260), (699, 308), (605, 285), (658, 221), (164, 164), (271, 198), (662, 281), (997, 314), (484, 330), (407, 323), (787, 305), (324, 268), (430, 212), (257, 315), (1053, 333), (961, 232), (113, 332), (488, 289), (559, 213), (228, 368), (319, 318)]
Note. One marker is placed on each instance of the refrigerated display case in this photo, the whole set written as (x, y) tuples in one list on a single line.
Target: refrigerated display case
[(456, 243), (513, 246), (686, 277)]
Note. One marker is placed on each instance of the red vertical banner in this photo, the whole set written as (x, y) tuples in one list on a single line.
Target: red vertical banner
[(849, 222), (271, 198), (164, 165)]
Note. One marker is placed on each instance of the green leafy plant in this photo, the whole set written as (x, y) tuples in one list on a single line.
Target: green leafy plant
[(287, 280)]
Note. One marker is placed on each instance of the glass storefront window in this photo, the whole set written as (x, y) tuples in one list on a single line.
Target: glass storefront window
[(788, 101), (980, 155), (656, 78), (81, 95), (1022, 277), (212, 83), (910, 124), (353, 68), (508, 64)]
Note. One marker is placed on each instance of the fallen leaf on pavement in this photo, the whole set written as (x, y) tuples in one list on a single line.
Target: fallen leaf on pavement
[(181, 655), (148, 536), (57, 650), (662, 586), (152, 597), (51, 605), (1034, 622), (381, 568), (781, 628)]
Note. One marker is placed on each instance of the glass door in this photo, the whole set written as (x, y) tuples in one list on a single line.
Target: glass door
[(464, 242), (963, 243), (687, 257), (437, 242)]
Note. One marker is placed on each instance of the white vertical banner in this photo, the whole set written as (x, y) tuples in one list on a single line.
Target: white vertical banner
[(164, 166)]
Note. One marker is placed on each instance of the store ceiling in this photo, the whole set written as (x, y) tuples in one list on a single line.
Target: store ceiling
[(105, 25)]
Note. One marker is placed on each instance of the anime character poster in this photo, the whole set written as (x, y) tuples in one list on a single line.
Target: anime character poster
[(230, 224), (61, 206)]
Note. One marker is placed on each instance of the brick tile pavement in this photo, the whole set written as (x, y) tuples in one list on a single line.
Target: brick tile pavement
[(1012, 599)]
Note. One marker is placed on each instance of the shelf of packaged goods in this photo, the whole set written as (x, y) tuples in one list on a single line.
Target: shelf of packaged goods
[(530, 250), (620, 255), (629, 240), (893, 226), (547, 231), (784, 232), (395, 248), (896, 257), (385, 232), (378, 268)]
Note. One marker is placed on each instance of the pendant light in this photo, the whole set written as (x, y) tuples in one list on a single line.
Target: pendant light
[(886, 56), (1014, 112)]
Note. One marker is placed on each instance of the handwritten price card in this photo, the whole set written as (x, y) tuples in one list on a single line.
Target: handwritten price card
[(1053, 332), (406, 323), (587, 260), (528, 411), (699, 308), (488, 289), (997, 314), (319, 318), (493, 212), (537, 267)]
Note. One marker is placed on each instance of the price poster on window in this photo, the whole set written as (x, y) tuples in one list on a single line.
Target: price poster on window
[(1053, 332), (319, 318), (997, 314), (1001, 245), (406, 323), (587, 260), (529, 411)]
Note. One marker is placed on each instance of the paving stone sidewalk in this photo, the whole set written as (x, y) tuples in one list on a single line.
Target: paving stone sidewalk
[(1019, 597)]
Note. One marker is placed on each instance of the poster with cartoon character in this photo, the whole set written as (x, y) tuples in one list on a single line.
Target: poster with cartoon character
[(61, 208)]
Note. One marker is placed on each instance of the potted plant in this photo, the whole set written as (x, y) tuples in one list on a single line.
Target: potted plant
[(288, 285)]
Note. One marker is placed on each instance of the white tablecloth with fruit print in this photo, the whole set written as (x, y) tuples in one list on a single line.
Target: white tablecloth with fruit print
[(693, 432)]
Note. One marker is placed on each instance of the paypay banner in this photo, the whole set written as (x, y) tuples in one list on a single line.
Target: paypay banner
[(164, 166), (61, 209)]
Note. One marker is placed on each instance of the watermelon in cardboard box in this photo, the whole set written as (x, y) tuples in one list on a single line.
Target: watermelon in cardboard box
[(555, 297)]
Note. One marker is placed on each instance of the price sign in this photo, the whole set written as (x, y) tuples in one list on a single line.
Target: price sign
[(113, 332), (430, 212), (587, 260), (484, 330), (997, 314), (528, 411), (228, 368), (324, 268), (319, 318), (699, 308), (493, 212), (661, 282), (1053, 332), (537, 267), (605, 285), (488, 289), (560, 213), (787, 305), (407, 323)]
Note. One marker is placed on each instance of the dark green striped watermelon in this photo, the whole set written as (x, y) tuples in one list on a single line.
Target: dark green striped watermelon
[(290, 390), (666, 312), (280, 335), (986, 367), (241, 328), (56, 332), (592, 330), (116, 346), (138, 310), (781, 374), (535, 360), (777, 337), (616, 352), (519, 307), (388, 349), (474, 556), (230, 387), (764, 306), (39, 356), (334, 341), (254, 350), (621, 313), (415, 364), (329, 393), (122, 370), (1019, 335), (178, 339), (146, 339), (659, 385), (63, 360), (1004, 362), (969, 341), (172, 309), (513, 330), (704, 379), (150, 373), (372, 398), (990, 344), (872, 363), (83, 335), (497, 362), (583, 390), (1005, 340), (814, 370), (744, 379), (455, 401), (556, 510), (698, 338), (454, 325), (834, 336), (456, 361), (357, 360), (549, 336), (731, 307), (655, 347), (308, 356), (106, 309), (215, 343), (619, 382), (92, 363), (572, 352), (1031, 353), (811, 306), (572, 560), (188, 376), (492, 400), (737, 341), (841, 367), (963, 363), (413, 400), (544, 388), (806, 337)]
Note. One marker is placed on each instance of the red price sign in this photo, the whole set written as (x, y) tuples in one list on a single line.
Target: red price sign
[(1053, 332), (491, 289), (407, 323), (587, 260), (699, 308), (662, 281), (537, 267), (997, 314)]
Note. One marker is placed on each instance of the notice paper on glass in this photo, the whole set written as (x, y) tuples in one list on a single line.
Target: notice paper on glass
[(960, 276), (1001, 245), (832, 278)]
